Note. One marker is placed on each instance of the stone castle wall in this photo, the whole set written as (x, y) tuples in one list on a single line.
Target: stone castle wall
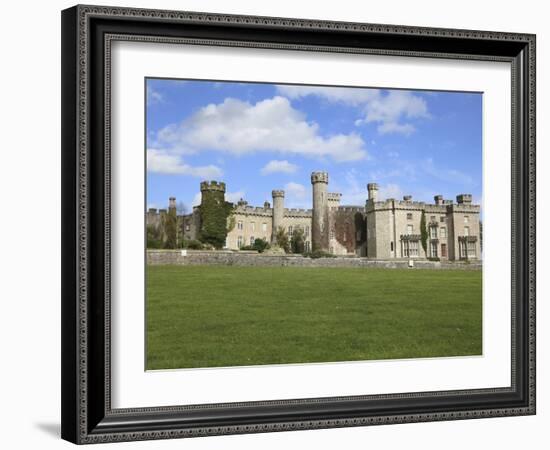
[(249, 259)]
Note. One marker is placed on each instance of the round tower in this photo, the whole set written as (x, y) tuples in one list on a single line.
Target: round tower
[(213, 189), (320, 225), (172, 205), (278, 212)]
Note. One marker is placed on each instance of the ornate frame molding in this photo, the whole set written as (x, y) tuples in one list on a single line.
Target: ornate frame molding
[(88, 421)]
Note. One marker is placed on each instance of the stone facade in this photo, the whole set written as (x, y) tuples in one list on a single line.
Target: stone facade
[(386, 229)]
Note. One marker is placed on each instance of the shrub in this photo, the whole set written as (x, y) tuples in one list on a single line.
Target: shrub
[(320, 254), (297, 243), (282, 239), (434, 258), (261, 245), (193, 245)]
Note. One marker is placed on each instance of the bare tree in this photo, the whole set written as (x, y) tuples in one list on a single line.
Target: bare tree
[(181, 208)]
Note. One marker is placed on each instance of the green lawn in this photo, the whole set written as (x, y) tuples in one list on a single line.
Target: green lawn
[(208, 316)]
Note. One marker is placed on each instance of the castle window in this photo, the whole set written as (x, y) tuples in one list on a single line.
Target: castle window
[(251, 240), (443, 250), (466, 231), (466, 219), (290, 230), (239, 241), (306, 246), (410, 248), (187, 227), (442, 219), (410, 229), (391, 246), (433, 232), (433, 249), (240, 225), (471, 249), (409, 216), (332, 233), (432, 218), (443, 232), (264, 226), (252, 226), (307, 231)]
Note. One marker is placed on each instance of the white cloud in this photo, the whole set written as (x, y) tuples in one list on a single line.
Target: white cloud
[(234, 197), (154, 96), (296, 195), (387, 110), (161, 161), (196, 199), (350, 96), (270, 125), (355, 190), (277, 166)]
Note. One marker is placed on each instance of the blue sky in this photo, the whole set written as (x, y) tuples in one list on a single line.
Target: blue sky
[(257, 137)]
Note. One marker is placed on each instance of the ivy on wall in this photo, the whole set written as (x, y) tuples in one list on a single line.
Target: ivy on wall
[(423, 232), (214, 213)]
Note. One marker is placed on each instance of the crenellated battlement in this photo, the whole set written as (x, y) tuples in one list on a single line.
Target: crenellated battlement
[(213, 186), (278, 193), (297, 212), (319, 177)]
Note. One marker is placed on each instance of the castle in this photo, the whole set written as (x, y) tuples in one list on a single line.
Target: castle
[(380, 229)]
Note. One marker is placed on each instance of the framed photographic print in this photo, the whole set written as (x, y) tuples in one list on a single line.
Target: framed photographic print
[(277, 224)]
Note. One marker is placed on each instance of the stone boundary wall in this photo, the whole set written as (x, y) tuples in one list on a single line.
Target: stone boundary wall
[(228, 258)]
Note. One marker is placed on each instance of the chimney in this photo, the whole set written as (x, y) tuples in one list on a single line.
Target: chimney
[(438, 199)]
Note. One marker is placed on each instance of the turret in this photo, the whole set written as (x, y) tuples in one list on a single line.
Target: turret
[(464, 199), (278, 212), (172, 205), (334, 199), (438, 199), (372, 189), (320, 225), (214, 189)]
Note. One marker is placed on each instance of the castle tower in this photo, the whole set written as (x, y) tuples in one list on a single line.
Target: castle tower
[(372, 188), (278, 212), (213, 220), (172, 205), (212, 190), (320, 225)]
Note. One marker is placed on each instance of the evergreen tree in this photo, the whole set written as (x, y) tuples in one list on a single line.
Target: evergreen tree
[(424, 233)]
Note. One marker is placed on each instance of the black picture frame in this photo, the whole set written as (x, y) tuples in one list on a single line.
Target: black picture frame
[(87, 416)]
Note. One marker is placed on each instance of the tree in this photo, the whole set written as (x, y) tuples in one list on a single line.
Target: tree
[(281, 238), (424, 232), (181, 208), (297, 243), (171, 230), (154, 237)]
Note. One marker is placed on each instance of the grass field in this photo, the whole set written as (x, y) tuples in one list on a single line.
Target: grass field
[(210, 316)]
